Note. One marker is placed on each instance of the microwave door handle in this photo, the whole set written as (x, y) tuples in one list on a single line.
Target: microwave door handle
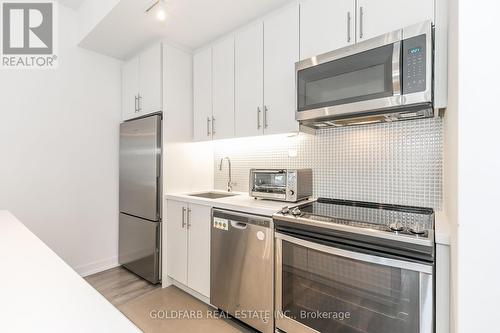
[(396, 70)]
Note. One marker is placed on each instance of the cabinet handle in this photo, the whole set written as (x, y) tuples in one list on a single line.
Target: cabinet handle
[(213, 125), (183, 224), (188, 218), (139, 109), (348, 27), (208, 126), (361, 14), (135, 103), (265, 116), (258, 117)]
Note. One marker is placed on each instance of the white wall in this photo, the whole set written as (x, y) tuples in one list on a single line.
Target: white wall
[(59, 151), (478, 167)]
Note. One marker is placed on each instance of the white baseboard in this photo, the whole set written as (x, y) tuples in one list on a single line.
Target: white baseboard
[(97, 266)]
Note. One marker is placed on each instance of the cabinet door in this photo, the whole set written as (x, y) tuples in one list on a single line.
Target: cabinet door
[(177, 251), (202, 95), (249, 68), (199, 248), (150, 80), (177, 94), (378, 17), (130, 88), (326, 25), (281, 45), (223, 89)]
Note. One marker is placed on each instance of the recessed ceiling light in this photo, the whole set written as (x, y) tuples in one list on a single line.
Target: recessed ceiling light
[(159, 8), (161, 14)]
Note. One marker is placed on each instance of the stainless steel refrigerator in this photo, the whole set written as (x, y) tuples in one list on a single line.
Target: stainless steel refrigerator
[(140, 197)]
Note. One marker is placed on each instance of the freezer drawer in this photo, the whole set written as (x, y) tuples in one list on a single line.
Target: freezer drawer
[(139, 247), (140, 166)]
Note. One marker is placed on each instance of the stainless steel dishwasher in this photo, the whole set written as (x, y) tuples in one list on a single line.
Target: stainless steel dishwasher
[(241, 267)]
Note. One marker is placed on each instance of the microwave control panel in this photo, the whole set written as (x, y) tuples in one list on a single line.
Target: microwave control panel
[(414, 64), (291, 185)]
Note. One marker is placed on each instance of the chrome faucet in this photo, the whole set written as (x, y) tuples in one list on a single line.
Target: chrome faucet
[(229, 181)]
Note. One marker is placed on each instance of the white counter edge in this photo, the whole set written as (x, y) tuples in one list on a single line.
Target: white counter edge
[(40, 292)]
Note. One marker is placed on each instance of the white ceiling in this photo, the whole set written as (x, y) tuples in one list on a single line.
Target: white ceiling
[(71, 3), (190, 23)]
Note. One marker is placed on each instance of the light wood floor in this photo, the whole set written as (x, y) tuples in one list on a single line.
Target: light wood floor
[(141, 301), (120, 286)]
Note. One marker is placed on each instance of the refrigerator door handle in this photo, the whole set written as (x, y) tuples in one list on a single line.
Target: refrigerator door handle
[(158, 198)]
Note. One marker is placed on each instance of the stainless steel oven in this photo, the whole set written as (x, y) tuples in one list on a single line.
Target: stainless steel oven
[(386, 78), (334, 276)]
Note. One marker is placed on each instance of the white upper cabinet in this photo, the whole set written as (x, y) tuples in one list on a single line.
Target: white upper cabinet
[(381, 16), (202, 85), (244, 84), (281, 52), (150, 80), (177, 94), (265, 56), (142, 84), (326, 25), (130, 88), (249, 78), (222, 125)]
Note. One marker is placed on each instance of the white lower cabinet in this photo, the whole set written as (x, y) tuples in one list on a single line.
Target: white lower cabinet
[(188, 245), (198, 263), (177, 252)]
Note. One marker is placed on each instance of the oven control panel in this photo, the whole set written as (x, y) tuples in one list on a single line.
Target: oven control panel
[(414, 67)]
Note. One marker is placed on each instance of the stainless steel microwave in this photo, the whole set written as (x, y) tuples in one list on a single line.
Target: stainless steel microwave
[(386, 78), (289, 185)]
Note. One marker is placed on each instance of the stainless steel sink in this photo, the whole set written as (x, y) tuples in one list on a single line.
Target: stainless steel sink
[(212, 195)]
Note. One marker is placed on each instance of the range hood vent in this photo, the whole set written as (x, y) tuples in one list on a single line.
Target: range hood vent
[(358, 119)]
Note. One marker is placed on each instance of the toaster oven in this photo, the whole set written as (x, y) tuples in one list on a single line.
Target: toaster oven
[(290, 185)]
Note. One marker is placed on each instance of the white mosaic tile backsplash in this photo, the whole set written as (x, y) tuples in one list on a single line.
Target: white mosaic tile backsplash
[(396, 163)]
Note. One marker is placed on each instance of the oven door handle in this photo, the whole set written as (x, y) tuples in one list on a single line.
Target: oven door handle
[(412, 266)]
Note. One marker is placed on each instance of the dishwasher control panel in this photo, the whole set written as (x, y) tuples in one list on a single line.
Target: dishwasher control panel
[(221, 224)]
